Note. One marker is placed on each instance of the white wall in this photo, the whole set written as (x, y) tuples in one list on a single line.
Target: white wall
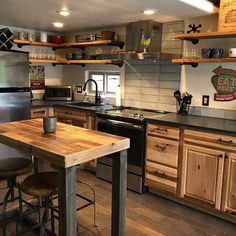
[(53, 75), (197, 81)]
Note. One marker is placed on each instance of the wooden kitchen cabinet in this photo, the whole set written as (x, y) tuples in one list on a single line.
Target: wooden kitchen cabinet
[(84, 119), (39, 112), (162, 149), (75, 117), (229, 193), (202, 174)]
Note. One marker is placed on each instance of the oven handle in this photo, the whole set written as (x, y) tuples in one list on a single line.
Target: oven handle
[(121, 124)]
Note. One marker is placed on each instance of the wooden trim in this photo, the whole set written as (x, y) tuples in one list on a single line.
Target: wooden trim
[(180, 162)]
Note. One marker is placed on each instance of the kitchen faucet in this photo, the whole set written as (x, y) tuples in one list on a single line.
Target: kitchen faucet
[(97, 100)]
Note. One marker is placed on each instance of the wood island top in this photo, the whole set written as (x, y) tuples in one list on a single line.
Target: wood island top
[(68, 146)]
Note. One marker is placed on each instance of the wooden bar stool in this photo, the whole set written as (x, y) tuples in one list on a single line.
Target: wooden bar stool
[(9, 169), (42, 185)]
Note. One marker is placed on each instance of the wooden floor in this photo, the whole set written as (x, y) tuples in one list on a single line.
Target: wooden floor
[(147, 215)]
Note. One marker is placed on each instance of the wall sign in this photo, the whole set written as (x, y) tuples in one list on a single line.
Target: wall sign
[(224, 81), (37, 77)]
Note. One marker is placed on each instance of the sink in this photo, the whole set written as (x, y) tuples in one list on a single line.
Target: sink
[(85, 104)]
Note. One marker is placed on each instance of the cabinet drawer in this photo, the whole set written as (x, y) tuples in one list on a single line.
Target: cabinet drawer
[(161, 177), (162, 131), (211, 139), (42, 112), (70, 114), (162, 151)]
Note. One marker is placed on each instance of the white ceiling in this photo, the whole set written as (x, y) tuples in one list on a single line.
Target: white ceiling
[(87, 14)]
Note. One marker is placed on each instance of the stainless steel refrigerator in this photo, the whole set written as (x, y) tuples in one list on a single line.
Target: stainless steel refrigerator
[(14, 93)]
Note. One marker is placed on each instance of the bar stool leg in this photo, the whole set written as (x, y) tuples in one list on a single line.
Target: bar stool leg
[(4, 223), (45, 216)]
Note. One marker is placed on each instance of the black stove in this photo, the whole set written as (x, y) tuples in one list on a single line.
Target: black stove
[(129, 113)]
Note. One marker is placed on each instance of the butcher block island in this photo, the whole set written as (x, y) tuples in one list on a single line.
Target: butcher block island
[(66, 148)]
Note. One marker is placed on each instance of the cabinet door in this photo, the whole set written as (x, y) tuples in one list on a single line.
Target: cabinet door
[(202, 174), (230, 195)]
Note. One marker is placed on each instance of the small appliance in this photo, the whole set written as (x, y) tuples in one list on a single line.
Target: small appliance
[(58, 93)]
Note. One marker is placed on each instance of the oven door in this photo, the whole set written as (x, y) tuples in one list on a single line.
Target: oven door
[(136, 134)]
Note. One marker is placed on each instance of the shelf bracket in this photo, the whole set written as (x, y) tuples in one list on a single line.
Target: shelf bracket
[(120, 64), (20, 45), (194, 41), (193, 64)]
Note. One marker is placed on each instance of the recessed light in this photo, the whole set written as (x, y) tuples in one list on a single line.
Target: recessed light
[(149, 12), (58, 24), (64, 12)]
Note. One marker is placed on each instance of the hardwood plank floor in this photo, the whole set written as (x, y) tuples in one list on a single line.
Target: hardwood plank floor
[(147, 215)]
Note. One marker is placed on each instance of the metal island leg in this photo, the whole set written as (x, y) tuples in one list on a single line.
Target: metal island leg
[(67, 201), (119, 183)]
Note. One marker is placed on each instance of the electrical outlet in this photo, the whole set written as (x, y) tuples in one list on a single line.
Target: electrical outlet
[(79, 89), (205, 100)]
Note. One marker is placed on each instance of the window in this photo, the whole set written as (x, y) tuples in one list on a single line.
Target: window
[(107, 81)]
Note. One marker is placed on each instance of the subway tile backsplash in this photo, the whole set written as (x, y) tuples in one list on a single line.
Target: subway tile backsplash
[(153, 87), (151, 83)]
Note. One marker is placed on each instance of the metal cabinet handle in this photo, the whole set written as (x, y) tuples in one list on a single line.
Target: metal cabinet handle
[(68, 113), (161, 148), (160, 130), (220, 140), (69, 122)]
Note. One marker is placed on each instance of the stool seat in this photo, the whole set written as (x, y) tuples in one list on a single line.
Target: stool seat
[(12, 167), (42, 184)]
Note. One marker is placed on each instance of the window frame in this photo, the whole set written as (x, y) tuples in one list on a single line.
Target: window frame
[(105, 74)]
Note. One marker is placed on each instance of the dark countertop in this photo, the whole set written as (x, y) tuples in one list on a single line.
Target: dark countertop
[(69, 104), (217, 125)]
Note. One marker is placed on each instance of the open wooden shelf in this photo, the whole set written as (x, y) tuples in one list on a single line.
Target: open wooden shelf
[(21, 43), (205, 35), (82, 45), (203, 60), (79, 62)]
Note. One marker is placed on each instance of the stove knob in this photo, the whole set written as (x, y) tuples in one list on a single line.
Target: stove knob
[(106, 111), (135, 115), (101, 110), (141, 116)]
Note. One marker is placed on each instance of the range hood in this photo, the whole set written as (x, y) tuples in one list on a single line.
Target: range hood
[(134, 31)]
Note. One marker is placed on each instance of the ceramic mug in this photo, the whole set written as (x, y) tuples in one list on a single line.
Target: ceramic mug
[(49, 124), (31, 36), (232, 52), (43, 37), (206, 52), (217, 52), (22, 35)]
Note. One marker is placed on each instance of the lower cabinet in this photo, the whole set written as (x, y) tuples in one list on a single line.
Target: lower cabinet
[(202, 174), (39, 112), (229, 198), (79, 118), (162, 149)]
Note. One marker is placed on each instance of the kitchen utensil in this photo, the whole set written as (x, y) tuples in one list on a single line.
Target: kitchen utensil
[(49, 124), (57, 39), (177, 95)]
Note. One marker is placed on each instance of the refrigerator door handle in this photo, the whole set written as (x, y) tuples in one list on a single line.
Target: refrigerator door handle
[(15, 89)]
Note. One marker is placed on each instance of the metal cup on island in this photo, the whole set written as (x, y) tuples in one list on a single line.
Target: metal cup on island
[(49, 124)]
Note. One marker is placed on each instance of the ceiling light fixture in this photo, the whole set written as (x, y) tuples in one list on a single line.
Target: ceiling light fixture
[(203, 5), (149, 12), (58, 24), (64, 12)]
